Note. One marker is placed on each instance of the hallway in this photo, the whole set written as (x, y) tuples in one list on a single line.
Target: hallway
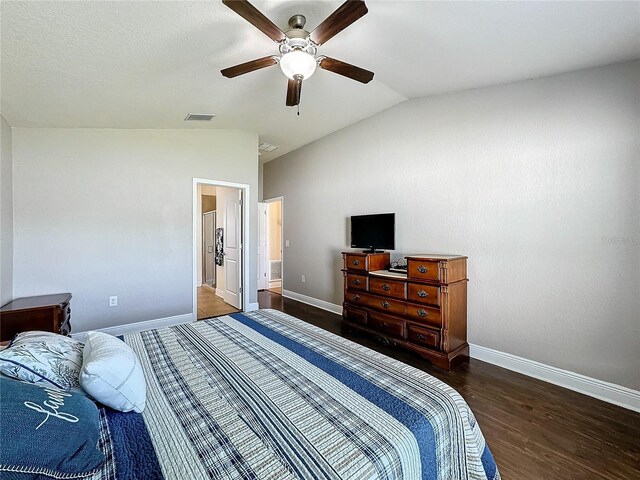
[(211, 305)]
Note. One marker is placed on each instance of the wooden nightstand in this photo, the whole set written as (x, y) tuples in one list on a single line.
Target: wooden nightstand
[(49, 313)]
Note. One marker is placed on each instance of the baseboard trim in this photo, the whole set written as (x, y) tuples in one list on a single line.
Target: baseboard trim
[(252, 306), (140, 326), (315, 302), (609, 392)]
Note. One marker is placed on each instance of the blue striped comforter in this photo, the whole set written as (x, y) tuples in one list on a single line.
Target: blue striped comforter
[(267, 396)]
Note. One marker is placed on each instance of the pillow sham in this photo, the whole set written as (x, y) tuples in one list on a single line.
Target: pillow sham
[(111, 373), (47, 432), (43, 357)]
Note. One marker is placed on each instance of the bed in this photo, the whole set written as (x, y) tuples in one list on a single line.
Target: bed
[(268, 396)]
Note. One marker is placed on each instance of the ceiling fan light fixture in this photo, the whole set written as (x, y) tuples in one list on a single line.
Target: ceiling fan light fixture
[(296, 63)]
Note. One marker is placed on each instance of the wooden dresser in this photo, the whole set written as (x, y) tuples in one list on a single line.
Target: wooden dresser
[(50, 313), (424, 310)]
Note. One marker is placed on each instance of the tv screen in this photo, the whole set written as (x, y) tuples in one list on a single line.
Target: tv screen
[(374, 231)]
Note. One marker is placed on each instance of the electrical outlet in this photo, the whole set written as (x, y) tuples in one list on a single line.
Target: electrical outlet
[(113, 301), (303, 279), (286, 243)]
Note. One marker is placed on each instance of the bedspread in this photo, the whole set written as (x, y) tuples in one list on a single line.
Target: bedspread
[(268, 396)]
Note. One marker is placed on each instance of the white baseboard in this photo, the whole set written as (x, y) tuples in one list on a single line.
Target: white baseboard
[(252, 306), (609, 392), (140, 326), (330, 307)]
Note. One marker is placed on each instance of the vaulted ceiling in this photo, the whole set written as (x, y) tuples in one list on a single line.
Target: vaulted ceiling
[(142, 64)]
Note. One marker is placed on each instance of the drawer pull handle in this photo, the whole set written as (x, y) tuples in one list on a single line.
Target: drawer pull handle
[(383, 325), (422, 269), (356, 282), (385, 304), (356, 298), (421, 337), (422, 294), (386, 287), (356, 262), (422, 312)]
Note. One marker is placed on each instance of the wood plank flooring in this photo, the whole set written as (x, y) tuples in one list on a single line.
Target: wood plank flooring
[(211, 305), (536, 430)]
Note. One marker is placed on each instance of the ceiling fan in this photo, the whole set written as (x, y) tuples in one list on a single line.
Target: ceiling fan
[(298, 48)]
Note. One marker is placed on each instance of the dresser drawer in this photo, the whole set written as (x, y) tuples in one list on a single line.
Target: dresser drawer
[(357, 282), (423, 336), (355, 262), (355, 315), (388, 288), (423, 314), (427, 294), (387, 325), (355, 297), (423, 269), (387, 305)]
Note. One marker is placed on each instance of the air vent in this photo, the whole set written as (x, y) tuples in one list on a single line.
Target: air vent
[(267, 147), (199, 117)]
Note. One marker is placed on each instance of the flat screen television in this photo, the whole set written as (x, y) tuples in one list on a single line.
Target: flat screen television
[(373, 232)]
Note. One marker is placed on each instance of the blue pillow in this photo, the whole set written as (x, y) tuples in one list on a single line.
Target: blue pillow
[(46, 431)]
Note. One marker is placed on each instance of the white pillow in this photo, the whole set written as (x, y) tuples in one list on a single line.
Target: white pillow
[(111, 373)]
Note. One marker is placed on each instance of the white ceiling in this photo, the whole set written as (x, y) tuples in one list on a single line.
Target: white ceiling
[(144, 64)]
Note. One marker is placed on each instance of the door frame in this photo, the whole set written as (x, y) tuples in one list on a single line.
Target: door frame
[(282, 240), (246, 245)]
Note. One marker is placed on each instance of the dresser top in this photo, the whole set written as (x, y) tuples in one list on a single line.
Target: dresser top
[(40, 301), (434, 256)]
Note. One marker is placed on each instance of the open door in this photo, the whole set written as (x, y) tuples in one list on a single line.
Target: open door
[(233, 251)]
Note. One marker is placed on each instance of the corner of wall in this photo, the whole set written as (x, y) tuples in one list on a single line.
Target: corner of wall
[(6, 213)]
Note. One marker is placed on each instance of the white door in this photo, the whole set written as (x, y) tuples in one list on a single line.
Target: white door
[(233, 251), (262, 246)]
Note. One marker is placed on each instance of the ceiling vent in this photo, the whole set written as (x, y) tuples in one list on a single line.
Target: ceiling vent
[(199, 117), (267, 147)]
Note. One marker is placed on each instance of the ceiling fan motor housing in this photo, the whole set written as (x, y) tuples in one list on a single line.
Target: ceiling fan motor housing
[(297, 21)]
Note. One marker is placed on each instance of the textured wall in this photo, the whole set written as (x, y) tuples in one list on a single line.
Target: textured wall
[(6, 214), (102, 212), (537, 182)]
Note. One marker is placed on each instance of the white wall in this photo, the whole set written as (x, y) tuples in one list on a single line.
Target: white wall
[(6, 214), (101, 212), (537, 182), (274, 230)]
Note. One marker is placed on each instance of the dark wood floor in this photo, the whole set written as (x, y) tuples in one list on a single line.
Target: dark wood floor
[(535, 430)]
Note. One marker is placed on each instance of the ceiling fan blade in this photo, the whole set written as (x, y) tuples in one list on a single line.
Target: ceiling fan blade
[(346, 69), (345, 15), (248, 67), (252, 15), (294, 90)]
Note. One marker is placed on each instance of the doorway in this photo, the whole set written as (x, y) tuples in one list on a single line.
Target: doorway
[(270, 257), (220, 226)]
